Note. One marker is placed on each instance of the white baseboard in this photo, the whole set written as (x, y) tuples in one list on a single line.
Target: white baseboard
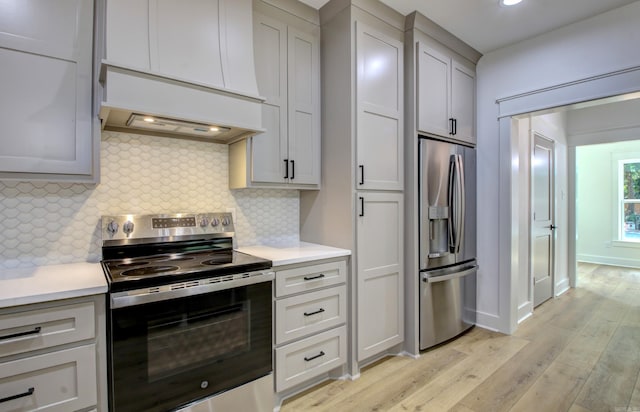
[(609, 260), (489, 321), (562, 286)]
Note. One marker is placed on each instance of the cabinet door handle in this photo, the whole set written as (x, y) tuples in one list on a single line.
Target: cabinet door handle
[(320, 276), (451, 125), (286, 168), (314, 313), (455, 127), (293, 169), (29, 392), (34, 331), (314, 357), (361, 206), (361, 174)]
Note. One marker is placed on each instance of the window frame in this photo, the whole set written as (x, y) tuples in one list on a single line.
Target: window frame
[(620, 200)]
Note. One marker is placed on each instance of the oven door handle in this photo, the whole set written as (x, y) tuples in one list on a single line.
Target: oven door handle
[(187, 288)]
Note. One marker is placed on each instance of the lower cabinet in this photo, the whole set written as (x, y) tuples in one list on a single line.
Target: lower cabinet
[(310, 322), (51, 357)]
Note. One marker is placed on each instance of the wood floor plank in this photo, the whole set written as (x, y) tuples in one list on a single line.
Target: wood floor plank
[(611, 383), (634, 403), (403, 384), (585, 349), (503, 388), (333, 392), (451, 386), (555, 390)]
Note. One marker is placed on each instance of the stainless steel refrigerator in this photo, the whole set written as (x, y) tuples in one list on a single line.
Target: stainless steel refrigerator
[(447, 193)]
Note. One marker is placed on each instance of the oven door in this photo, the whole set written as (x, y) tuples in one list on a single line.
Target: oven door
[(169, 353)]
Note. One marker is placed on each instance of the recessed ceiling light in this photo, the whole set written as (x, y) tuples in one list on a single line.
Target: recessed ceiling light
[(509, 2)]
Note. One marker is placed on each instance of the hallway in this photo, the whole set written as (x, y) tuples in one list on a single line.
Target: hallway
[(579, 353)]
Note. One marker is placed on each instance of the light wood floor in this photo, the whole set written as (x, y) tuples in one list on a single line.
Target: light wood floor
[(578, 353)]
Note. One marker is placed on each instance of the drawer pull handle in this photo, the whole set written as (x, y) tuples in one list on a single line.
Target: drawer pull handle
[(17, 335), (314, 357), (320, 276), (313, 313), (29, 392)]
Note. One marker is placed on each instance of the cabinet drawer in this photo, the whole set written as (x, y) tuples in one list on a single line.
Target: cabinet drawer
[(306, 278), (305, 359), (58, 381), (43, 328), (301, 315)]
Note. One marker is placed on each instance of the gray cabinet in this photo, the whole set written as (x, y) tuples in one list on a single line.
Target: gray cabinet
[(310, 317), (445, 94), (52, 354), (360, 204), (287, 59), (48, 132), (380, 279), (379, 107)]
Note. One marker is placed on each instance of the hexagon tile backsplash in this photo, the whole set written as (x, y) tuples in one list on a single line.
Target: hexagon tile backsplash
[(48, 223)]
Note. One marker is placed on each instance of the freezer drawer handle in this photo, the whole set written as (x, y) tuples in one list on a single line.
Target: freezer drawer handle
[(34, 331), (29, 392), (320, 276), (314, 357), (314, 313), (434, 279)]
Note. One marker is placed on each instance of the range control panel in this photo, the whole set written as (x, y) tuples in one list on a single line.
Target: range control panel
[(130, 227)]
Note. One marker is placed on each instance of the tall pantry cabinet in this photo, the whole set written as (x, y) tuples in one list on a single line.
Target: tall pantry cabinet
[(360, 206)]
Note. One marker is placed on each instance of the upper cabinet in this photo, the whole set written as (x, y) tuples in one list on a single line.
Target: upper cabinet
[(287, 58), (46, 59), (379, 106), (445, 94)]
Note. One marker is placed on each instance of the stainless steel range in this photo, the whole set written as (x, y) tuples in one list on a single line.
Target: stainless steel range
[(189, 317)]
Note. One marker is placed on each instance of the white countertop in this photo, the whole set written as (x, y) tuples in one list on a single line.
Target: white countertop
[(300, 252), (46, 283)]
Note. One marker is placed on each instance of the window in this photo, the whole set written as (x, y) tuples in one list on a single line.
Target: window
[(629, 189)]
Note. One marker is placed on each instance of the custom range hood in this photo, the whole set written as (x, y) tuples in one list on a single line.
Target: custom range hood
[(180, 69)]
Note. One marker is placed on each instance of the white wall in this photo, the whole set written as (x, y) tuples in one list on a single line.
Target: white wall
[(597, 207), (596, 46), (48, 223)]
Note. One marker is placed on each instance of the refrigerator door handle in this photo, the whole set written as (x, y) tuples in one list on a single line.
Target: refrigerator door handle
[(442, 278), (462, 202), (452, 171)]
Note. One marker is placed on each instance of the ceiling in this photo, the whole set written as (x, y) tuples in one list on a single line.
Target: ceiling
[(486, 26)]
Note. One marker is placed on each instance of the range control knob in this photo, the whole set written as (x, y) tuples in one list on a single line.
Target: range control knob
[(127, 227), (112, 228), (204, 221), (226, 221), (215, 222)]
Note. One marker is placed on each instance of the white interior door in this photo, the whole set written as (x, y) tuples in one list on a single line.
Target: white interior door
[(542, 228)]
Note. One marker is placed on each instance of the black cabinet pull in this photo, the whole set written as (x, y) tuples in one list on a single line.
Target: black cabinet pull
[(455, 127), (361, 206), (320, 276), (293, 169), (314, 357), (29, 392), (361, 174), (34, 331), (313, 313), (286, 168), (451, 120)]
